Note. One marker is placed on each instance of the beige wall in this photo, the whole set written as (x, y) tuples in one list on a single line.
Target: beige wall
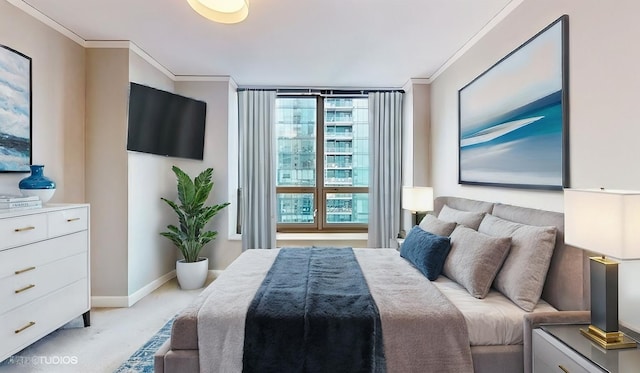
[(603, 90), (129, 252), (421, 132), (106, 167), (58, 96), (416, 149)]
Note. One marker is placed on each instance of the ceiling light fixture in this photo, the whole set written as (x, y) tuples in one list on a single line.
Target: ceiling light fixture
[(222, 11)]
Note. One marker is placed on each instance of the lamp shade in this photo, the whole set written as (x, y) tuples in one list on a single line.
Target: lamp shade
[(603, 221), (222, 11), (417, 198)]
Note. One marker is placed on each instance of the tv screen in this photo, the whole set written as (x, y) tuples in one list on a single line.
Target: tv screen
[(165, 123)]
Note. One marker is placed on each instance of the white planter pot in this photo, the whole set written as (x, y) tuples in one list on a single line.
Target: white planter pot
[(192, 275)]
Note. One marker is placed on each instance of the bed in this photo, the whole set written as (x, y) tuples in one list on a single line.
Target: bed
[(412, 322)]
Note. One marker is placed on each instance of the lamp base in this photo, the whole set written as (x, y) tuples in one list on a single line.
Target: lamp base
[(608, 341)]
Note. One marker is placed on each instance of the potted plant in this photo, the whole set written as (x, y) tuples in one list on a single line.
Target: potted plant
[(191, 236)]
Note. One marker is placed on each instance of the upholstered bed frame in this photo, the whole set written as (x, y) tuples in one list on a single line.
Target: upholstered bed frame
[(566, 288)]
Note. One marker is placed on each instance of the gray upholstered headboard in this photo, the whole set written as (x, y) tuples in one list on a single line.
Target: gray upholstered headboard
[(567, 284)]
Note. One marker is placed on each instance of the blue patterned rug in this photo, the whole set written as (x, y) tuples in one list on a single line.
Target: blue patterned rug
[(142, 360)]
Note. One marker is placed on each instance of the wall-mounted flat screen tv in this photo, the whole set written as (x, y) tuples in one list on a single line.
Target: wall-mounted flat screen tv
[(165, 123)]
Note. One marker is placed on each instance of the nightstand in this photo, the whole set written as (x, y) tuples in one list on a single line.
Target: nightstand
[(396, 242), (561, 348)]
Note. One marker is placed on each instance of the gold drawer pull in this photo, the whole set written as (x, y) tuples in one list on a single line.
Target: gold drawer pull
[(72, 219), (30, 324), (565, 370), (24, 270), (25, 288), (24, 229)]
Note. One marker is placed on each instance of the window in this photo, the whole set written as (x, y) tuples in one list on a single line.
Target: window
[(323, 170)]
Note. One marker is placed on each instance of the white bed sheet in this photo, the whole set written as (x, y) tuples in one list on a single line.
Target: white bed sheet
[(494, 320)]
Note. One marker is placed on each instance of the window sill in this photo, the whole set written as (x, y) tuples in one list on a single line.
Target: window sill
[(312, 237), (321, 236)]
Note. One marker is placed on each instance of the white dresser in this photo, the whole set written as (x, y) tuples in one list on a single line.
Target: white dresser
[(44, 272)]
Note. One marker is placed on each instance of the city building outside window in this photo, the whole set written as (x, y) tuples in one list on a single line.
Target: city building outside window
[(323, 163)]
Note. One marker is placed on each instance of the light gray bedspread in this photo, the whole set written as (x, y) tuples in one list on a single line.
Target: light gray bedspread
[(422, 330)]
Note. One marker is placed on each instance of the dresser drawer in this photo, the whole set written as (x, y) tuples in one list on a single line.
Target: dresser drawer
[(551, 356), (23, 288), (22, 230), (67, 221), (24, 259), (24, 325)]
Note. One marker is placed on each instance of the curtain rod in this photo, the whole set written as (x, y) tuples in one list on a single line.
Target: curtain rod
[(322, 92)]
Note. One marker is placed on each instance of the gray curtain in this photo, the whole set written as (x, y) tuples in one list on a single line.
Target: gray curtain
[(385, 142), (257, 158)]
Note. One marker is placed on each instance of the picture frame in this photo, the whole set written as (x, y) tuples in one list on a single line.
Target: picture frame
[(513, 119), (15, 111)]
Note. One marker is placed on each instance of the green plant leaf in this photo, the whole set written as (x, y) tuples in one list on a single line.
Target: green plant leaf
[(192, 213)]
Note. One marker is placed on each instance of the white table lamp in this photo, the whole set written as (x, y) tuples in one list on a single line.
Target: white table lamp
[(417, 200), (606, 222)]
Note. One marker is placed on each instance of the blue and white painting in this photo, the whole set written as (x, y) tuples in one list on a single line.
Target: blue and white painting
[(511, 118), (15, 111)]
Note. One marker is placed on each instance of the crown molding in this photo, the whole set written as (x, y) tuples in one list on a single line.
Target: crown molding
[(132, 46), (33, 12), (107, 44), (152, 61), (233, 83), (420, 80), (408, 85), (202, 78), (128, 44), (504, 12)]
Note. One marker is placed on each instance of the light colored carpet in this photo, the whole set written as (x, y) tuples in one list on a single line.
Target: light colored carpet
[(114, 334)]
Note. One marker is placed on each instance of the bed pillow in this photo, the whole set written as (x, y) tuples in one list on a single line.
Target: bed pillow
[(426, 251), (471, 219), (436, 226), (523, 273), (474, 259)]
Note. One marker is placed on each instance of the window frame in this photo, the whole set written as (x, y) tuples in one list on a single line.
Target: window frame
[(320, 191)]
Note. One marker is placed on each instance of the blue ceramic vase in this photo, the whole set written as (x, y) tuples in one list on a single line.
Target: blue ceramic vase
[(37, 184)]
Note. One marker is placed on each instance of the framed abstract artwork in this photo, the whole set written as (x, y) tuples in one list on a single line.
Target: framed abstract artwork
[(15, 111), (513, 118)]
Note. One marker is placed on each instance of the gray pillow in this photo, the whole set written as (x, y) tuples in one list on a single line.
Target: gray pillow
[(523, 273), (474, 259), (436, 226), (469, 218)]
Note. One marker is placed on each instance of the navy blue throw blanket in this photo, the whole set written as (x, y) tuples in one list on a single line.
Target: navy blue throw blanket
[(313, 313)]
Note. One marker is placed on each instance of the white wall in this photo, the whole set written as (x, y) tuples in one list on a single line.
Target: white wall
[(603, 95), (216, 93), (58, 96), (149, 177)]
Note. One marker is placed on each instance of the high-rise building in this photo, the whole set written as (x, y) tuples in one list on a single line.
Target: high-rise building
[(345, 158), (346, 154)]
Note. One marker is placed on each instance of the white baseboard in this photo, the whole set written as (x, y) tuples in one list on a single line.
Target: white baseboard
[(128, 301)]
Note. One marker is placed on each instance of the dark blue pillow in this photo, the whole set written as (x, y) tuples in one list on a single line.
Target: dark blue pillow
[(426, 251)]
